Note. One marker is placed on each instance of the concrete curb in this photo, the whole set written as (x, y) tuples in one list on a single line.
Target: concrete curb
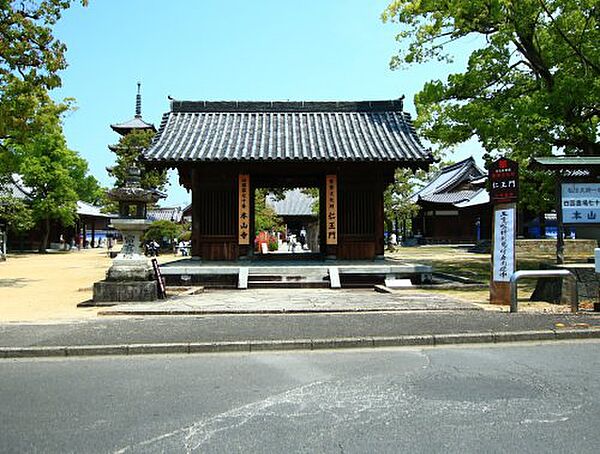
[(300, 344)]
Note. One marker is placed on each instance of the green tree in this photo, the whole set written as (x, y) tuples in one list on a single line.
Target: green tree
[(128, 152), (163, 229), (30, 59), (265, 217), (15, 213), (398, 206), (532, 86), (50, 171)]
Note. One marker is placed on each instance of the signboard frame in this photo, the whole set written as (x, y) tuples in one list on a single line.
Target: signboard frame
[(561, 193), (503, 175)]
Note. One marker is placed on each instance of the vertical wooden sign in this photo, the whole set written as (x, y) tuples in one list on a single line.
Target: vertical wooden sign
[(331, 209), (504, 192), (244, 209)]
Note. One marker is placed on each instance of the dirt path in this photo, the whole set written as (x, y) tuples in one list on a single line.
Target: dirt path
[(36, 287)]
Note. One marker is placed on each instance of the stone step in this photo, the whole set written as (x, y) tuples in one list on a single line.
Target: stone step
[(288, 284)]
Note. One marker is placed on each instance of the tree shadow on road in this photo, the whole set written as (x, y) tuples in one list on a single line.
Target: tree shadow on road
[(17, 282)]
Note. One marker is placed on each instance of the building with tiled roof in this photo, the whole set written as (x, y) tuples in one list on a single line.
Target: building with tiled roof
[(173, 214), (454, 205), (348, 150)]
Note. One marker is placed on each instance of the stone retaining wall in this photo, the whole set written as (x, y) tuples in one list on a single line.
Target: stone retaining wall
[(572, 247)]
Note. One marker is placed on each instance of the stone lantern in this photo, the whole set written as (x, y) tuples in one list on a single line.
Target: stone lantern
[(131, 276)]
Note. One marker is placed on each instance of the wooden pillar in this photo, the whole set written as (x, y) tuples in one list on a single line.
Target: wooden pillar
[(196, 213), (93, 242), (379, 224)]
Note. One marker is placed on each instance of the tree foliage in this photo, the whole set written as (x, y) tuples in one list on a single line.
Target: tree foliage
[(398, 206), (533, 85), (55, 176), (15, 213), (30, 59), (163, 229), (265, 217), (128, 152)]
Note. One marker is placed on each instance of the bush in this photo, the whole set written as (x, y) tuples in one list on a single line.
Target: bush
[(162, 229), (273, 245)]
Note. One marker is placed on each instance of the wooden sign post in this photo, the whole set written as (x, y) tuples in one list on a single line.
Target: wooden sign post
[(504, 194)]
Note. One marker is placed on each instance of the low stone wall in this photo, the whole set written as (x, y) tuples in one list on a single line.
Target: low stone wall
[(572, 247)]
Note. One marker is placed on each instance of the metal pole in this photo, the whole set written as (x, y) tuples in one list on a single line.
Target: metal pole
[(560, 231)]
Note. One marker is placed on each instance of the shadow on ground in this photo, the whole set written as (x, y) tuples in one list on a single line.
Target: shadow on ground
[(16, 282)]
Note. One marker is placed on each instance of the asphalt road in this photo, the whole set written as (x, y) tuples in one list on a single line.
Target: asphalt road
[(168, 329), (519, 398)]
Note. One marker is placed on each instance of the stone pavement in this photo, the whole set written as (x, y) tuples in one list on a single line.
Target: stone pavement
[(274, 301)]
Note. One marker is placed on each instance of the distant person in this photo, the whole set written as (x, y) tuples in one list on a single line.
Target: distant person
[(183, 248), (393, 240), (302, 238), (292, 243)]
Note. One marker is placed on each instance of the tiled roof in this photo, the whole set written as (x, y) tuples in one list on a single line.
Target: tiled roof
[(87, 209), (135, 123), (14, 188), (553, 162), (291, 131), (448, 185), (295, 203), (173, 214), (450, 197)]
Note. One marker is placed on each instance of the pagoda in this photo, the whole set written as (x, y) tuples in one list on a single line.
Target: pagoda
[(137, 123)]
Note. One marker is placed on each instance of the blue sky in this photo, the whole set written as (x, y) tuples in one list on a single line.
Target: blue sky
[(216, 50)]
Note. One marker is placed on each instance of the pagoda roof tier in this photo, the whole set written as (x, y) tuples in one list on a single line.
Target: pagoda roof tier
[(202, 131), (136, 123)]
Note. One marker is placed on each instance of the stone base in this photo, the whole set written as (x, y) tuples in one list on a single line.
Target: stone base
[(125, 292), (555, 289), (130, 270)]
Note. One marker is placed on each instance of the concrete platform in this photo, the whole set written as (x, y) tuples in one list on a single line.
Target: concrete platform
[(292, 273), (282, 301)]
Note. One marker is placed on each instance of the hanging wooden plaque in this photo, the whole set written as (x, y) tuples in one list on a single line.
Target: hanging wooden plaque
[(244, 209), (331, 208)]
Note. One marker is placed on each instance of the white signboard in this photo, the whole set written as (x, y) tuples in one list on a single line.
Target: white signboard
[(504, 244), (580, 203)]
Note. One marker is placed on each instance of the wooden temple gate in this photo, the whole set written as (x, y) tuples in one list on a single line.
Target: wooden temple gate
[(348, 150)]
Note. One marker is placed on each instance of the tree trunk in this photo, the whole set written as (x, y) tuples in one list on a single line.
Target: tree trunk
[(45, 236)]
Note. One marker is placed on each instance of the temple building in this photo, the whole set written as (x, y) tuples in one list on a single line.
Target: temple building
[(454, 205), (224, 151)]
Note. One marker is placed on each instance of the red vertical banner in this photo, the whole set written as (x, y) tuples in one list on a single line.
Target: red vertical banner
[(331, 209), (244, 209)]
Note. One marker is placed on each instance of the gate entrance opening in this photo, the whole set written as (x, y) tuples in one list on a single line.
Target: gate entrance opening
[(286, 222)]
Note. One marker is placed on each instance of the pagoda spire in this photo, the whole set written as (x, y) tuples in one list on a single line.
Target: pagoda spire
[(137, 123), (138, 102)]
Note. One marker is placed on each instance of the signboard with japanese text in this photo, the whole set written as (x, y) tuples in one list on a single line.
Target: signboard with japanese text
[(244, 209), (504, 181), (504, 243), (580, 203), (331, 208)]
